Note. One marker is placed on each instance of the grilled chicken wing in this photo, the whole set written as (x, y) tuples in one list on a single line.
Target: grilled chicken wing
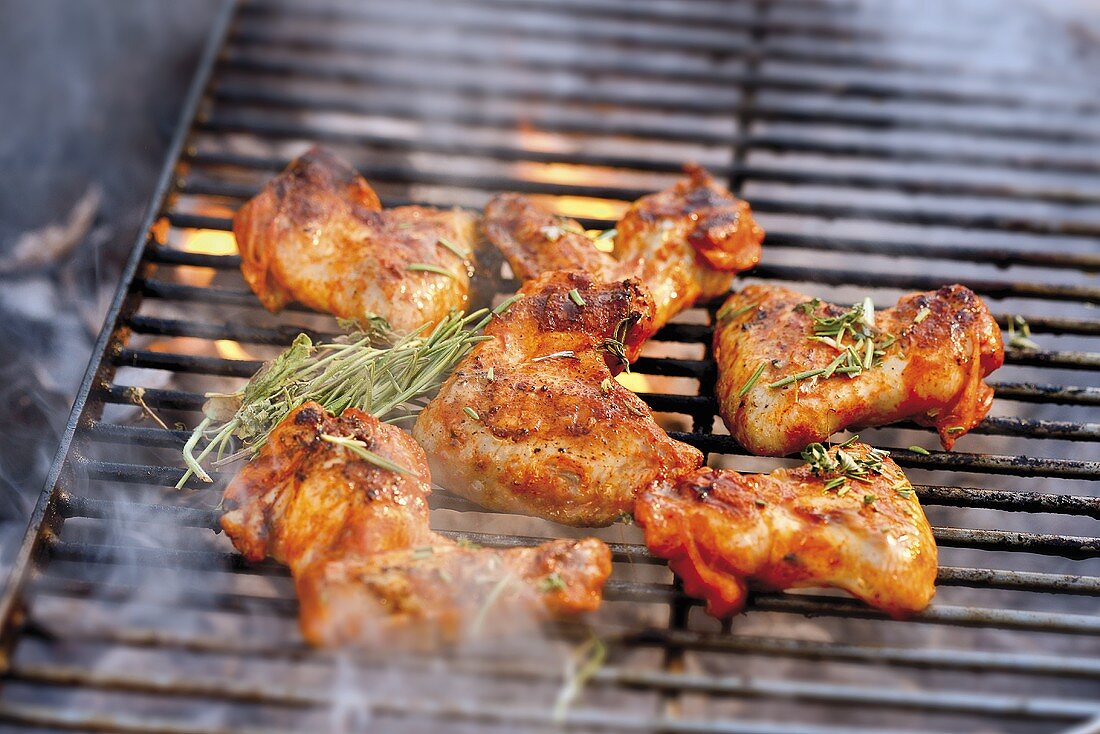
[(317, 234), (723, 532), (930, 353), (532, 421), (684, 243), (366, 565)]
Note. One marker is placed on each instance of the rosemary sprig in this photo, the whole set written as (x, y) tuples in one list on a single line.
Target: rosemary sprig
[(453, 247), (576, 297), (554, 232), (359, 448), (752, 380), (1021, 339), (729, 313), (842, 466), (585, 662), (428, 268), (369, 369), (616, 344), (850, 333)]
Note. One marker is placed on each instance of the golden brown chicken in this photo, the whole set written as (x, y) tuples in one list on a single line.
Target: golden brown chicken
[(684, 243), (532, 421), (317, 234), (723, 532), (792, 371), (366, 565)]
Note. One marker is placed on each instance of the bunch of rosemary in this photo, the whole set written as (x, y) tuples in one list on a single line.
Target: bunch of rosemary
[(370, 369)]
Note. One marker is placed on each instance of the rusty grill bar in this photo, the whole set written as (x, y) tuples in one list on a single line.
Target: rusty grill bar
[(879, 159)]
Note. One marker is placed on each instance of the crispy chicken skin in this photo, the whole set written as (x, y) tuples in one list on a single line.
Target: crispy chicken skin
[(684, 243), (549, 432), (317, 234), (946, 342), (367, 567), (723, 532)]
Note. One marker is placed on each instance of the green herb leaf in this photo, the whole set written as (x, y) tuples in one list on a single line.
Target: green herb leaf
[(428, 268), (359, 448), (752, 379), (575, 297), (472, 413), (553, 582), (920, 450), (453, 248), (729, 313)]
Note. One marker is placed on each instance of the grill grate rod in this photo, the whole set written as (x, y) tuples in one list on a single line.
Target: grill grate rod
[(947, 659), (197, 185), (718, 81), (772, 142), (824, 693)]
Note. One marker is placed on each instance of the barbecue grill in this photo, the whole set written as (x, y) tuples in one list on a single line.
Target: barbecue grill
[(883, 150)]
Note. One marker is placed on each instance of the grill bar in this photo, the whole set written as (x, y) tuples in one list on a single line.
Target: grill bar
[(767, 142), (739, 687), (995, 222)]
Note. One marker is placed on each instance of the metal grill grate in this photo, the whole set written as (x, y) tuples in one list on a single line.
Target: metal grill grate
[(884, 151)]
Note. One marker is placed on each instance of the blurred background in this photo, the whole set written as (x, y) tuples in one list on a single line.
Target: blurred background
[(92, 92)]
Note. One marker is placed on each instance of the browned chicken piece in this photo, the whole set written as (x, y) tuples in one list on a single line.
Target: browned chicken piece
[(444, 593), (367, 567), (724, 532), (927, 356), (684, 243), (532, 421), (317, 234)]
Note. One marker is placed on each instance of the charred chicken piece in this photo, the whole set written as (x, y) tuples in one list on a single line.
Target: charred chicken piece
[(317, 234), (532, 421), (323, 497), (684, 243), (783, 384), (723, 532)]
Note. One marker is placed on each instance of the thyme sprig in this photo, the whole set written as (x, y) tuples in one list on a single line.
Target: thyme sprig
[(370, 369)]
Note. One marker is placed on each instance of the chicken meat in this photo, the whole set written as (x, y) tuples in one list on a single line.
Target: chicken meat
[(532, 420), (317, 234), (724, 532), (684, 243), (793, 370), (323, 497)]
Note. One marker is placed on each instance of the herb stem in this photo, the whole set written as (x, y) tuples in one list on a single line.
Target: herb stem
[(752, 379)]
